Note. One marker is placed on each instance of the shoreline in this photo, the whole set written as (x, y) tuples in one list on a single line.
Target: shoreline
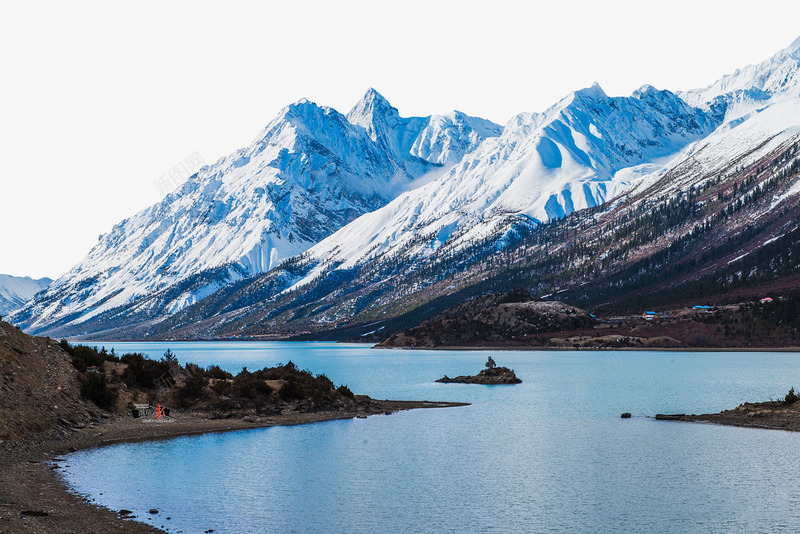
[(34, 498), (523, 348), (770, 415), (375, 345)]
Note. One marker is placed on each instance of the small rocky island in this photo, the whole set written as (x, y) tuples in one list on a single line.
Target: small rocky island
[(490, 375)]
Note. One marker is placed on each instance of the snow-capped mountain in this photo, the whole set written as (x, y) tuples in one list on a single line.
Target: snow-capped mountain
[(543, 167), (585, 150), (309, 172), (758, 110), (645, 150), (438, 139), (750, 87), (419, 192), (15, 291)]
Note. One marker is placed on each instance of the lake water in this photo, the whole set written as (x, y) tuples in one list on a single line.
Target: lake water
[(548, 455)]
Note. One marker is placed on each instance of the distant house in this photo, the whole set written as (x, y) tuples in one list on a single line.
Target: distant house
[(765, 299), (699, 307), (649, 315)]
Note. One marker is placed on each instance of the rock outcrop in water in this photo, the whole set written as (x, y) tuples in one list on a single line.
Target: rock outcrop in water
[(491, 375)]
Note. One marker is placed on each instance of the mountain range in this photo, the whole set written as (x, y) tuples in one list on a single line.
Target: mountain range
[(15, 291), (311, 171), (365, 223)]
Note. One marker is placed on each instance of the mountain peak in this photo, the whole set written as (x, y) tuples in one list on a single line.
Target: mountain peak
[(304, 104), (371, 106), (595, 91), (650, 94), (299, 112), (795, 46), (297, 108), (646, 89), (372, 95)]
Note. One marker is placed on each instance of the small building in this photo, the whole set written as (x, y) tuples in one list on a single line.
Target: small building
[(649, 315), (765, 300)]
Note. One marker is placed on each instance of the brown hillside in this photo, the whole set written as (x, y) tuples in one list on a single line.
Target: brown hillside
[(39, 390)]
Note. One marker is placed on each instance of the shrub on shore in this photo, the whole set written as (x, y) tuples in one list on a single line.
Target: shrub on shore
[(251, 387), (292, 389), (95, 389), (84, 356), (345, 391), (89, 363), (143, 372), (222, 387), (192, 389), (791, 397), (227, 390), (216, 372)]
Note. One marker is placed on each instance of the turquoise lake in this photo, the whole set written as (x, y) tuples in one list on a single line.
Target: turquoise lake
[(548, 455)]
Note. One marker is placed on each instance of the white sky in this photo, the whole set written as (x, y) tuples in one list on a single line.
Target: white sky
[(98, 100)]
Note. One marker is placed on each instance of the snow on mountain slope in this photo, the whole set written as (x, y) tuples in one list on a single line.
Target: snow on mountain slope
[(749, 88), (759, 109), (583, 151), (542, 167), (438, 139), (17, 290), (309, 172), (447, 138), (745, 139)]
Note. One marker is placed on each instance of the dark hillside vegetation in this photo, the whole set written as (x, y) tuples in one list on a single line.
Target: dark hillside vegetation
[(481, 322), (113, 383)]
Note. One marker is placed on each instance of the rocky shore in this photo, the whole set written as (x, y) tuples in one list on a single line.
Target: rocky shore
[(48, 409), (777, 415), (33, 498)]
